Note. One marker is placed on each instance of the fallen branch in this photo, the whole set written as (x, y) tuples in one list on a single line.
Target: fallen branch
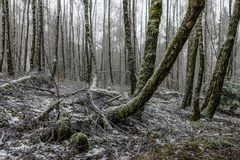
[(52, 107), (24, 80), (98, 111), (37, 88), (11, 83)]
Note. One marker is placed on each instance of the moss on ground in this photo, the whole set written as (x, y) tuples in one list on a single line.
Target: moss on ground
[(210, 148)]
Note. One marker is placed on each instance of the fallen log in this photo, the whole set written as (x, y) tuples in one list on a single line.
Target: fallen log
[(35, 79), (20, 80)]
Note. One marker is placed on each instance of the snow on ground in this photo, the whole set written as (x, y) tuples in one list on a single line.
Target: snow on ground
[(163, 123)]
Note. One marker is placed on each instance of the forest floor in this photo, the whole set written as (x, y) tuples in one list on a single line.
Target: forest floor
[(165, 131)]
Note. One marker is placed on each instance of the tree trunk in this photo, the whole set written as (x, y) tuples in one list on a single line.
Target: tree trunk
[(8, 40), (128, 42), (119, 113), (39, 35), (27, 36), (21, 39), (3, 34), (191, 63), (34, 31), (149, 58), (212, 99), (230, 67), (90, 44), (196, 110), (55, 60), (109, 41)]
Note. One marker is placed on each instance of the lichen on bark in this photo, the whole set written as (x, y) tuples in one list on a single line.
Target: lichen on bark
[(149, 58), (119, 113), (193, 42), (196, 96), (212, 98)]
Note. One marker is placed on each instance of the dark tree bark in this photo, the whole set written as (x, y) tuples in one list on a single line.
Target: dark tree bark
[(149, 58), (129, 45), (39, 35), (196, 109), (10, 68), (191, 63), (212, 99), (63, 50), (3, 33), (34, 32), (230, 67), (119, 113), (109, 41)]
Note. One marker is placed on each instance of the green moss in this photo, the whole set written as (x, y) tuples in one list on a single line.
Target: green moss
[(61, 131), (79, 142), (217, 143)]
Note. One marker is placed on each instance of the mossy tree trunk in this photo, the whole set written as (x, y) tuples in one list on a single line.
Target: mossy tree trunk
[(191, 63), (129, 45), (89, 43), (196, 110), (8, 40), (119, 113), (148, 64), (212, 99)]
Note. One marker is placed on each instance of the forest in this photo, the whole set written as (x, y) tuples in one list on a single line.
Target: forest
[(119, 79)]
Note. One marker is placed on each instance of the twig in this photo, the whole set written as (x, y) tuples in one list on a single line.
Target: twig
[(113, 99)]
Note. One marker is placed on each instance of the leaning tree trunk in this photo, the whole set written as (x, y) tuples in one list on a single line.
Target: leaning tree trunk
[(119, 113), (212, 99), (191, 63), (128, 42), (89, 38), (148, 63), (196, 110), (8, 40)]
